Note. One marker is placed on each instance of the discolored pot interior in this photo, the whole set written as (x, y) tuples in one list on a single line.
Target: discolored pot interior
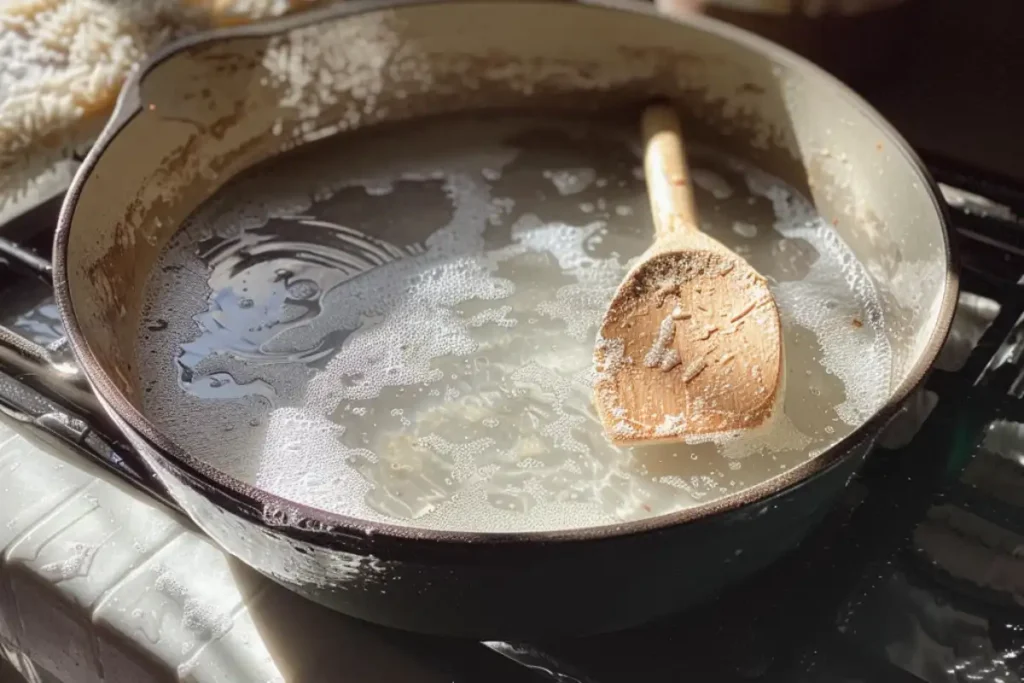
[(205, 112)]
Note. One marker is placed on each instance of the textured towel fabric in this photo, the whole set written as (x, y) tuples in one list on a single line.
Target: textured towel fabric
[(62, 63)]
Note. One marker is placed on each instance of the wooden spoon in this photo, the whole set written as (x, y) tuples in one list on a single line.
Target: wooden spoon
[(691, 344)]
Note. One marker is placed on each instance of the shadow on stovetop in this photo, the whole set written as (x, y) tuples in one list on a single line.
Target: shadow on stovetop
[(311, 644)]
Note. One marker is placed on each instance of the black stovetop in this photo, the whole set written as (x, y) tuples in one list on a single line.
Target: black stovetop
[(917, 575)]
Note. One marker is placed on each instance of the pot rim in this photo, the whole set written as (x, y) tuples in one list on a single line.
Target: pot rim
[(326, 526)]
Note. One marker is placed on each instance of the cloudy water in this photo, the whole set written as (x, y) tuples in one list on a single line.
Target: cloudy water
[(400, 326)]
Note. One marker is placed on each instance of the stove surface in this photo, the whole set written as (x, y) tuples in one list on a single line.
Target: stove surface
[(955, 91)]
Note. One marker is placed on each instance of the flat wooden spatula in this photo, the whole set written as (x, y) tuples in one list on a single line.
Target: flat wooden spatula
[(691, 344)]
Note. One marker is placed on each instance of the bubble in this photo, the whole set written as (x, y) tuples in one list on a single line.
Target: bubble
[(571, 181), (744, 229), (836, 290)]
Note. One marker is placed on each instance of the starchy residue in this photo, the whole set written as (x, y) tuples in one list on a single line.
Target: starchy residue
[(659, 354), (679, 314), (693, 369), (707, 332)]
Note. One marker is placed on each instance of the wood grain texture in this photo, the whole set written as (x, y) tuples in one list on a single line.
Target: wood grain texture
[(691, 344)]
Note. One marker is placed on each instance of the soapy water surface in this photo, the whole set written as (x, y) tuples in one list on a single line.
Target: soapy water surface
[(399, 326)]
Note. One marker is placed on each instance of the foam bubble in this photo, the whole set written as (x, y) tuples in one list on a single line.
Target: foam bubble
[(571, 181), (744, 229), (834, 300)]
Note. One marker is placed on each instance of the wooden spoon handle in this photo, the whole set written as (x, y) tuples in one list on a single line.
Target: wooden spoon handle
[(668, 178)]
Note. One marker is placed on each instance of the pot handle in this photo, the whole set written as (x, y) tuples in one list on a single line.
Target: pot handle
[(44, 388)]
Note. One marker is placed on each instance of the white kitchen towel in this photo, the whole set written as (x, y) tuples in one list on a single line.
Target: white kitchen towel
[(62, 64)]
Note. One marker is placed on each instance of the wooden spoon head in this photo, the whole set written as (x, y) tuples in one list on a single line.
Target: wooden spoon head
[(691, 345)]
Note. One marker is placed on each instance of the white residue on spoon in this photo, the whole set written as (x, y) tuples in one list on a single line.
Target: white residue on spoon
[(662, 354)]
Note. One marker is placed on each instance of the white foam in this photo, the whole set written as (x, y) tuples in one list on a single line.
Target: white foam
[(572, 180), (744, 229), (460, 397), (822, 303)]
